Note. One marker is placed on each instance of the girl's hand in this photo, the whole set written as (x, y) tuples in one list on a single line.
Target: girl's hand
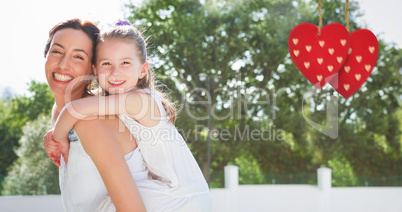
[(52, 147), (55, 156), (49, 144)]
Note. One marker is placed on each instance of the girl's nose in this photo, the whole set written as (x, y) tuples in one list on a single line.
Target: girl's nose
[(116, 71)]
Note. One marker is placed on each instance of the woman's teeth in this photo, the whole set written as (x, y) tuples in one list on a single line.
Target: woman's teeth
[(62, 77)]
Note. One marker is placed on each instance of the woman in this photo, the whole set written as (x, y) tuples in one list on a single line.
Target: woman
[(96, 164)]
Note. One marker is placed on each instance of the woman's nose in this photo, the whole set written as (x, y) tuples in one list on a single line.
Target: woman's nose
[(64, 63)]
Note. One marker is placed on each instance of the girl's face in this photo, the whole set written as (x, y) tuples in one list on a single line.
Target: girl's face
[(118, 66), (69, 57)]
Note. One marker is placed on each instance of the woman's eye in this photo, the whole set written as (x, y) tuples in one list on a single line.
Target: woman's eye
[(105, 63), (126, 63), (79, 57), (56, 52)]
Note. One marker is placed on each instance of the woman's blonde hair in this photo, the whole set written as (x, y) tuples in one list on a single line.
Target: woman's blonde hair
[(131, 34)]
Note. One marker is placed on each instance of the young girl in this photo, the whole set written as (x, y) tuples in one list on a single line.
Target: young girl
[(165, 171)]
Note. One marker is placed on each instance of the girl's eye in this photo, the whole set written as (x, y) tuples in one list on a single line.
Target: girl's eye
[(105, 63), (126, 63)]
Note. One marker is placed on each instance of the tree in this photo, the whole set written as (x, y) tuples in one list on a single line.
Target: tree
[(33, 173), (7, 93), (245, 44), (15, 113), (239, 41)]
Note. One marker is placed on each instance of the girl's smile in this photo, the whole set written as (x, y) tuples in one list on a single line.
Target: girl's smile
[(117, 83)]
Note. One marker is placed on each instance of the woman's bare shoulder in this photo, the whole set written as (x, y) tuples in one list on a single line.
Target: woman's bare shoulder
[(104, 130), (94, 125)]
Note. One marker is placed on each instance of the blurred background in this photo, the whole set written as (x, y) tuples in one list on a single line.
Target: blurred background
[(248, 83)]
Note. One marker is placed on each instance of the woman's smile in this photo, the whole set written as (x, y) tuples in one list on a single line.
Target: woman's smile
[(62, 78)]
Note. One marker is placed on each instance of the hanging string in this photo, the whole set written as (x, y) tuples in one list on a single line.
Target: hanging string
[(320, 14), (347, 15)]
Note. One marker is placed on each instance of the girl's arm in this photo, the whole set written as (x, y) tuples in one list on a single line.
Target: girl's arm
[(100, 139), (52, 147), (55, 114), (135, 104)]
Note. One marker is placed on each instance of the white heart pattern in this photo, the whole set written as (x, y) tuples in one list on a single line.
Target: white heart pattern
[(319, 57), (296, 52), (306, 64), (321, 43), (371, 49), (343, 42), (347, 69), (367, 67), (330, 68), (358, 76), (363, 53), (358, 58)]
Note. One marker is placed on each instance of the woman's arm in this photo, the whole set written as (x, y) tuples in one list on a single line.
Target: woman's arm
[(100, 139)]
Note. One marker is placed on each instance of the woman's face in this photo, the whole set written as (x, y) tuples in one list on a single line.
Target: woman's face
[(69, 57)]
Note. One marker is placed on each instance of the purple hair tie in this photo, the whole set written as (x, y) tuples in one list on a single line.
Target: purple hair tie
[(122, 23)]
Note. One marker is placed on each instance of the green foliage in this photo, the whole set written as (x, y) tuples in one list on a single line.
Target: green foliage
[(237, 41), (249, 170), (15, 113), (244, 43), (33, 173), (342, 172)]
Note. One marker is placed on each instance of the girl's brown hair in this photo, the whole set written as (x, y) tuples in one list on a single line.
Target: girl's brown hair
[(131, 34)]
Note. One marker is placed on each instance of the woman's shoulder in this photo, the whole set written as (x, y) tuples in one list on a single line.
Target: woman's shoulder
[(91, 132), (96, 126)]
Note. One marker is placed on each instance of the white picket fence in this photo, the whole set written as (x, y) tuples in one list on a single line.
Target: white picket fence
[(276, 198)]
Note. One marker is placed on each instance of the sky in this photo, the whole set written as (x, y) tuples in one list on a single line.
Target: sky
[(25, 25)]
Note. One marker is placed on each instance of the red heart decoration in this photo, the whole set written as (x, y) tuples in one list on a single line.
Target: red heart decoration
[(319, 56), (363, 53)]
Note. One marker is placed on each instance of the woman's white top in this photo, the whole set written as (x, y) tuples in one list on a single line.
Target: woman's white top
[(164, 169), (81, 185)]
